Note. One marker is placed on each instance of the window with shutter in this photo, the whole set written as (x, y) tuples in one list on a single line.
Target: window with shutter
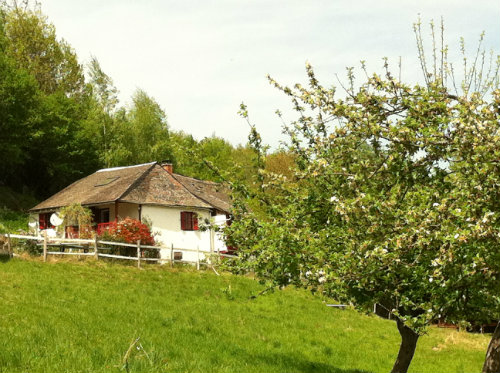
[(189, 221)]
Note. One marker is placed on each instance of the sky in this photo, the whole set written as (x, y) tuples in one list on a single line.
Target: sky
[(201, 59)]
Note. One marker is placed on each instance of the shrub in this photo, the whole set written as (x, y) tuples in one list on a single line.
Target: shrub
[(130, 231), (12, 221)]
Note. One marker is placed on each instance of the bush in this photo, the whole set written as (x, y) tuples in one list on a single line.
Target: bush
[(12, 221), (27, 246), (130, 231)]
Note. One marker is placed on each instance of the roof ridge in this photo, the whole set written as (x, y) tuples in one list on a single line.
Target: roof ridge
[(194, 178), (200, 198), (123, 167), (185, 187), (138, 179)]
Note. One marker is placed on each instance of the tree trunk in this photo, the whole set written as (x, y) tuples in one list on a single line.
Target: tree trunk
[(492, 360), (408, 345)]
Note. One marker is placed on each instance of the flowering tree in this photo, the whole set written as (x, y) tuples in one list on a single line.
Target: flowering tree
[(393, 201)]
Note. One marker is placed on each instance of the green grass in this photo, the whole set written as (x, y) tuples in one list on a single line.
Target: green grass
[(82, 317)]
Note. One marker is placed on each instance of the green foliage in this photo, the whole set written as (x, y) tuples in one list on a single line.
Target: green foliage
[(146, 135), (43, 102), (18, 99), (178, 314), (34, 46), (30, 247), (394, 202), (12, 221), (199, 158), (76, 214)]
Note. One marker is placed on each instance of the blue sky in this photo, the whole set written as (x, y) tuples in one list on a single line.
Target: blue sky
[(201, 59)]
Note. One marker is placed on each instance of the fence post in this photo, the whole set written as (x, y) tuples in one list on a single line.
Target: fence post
[(44, 246), (96, 254), (198, 257), (172, 256), (138, 253), (9, 247)]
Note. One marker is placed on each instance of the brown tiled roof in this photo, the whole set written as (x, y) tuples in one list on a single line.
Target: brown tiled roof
[(161, 188), (102, 186), (213, 193), (143, 184)]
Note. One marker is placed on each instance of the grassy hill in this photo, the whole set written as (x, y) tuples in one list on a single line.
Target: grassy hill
[(83, 317)]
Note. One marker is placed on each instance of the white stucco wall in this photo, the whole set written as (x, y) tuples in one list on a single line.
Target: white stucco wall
[(127, 210), (166, 223), (219, 244)]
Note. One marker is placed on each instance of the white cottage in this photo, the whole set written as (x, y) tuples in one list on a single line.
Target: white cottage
[(173, 203)]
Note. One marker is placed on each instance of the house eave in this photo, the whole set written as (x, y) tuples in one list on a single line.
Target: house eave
[(167, 205), (53, 208)]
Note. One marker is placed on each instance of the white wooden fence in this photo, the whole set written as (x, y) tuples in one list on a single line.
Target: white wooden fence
[(92, 247)]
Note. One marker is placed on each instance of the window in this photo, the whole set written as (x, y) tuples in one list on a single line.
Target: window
[(189, 221), (104, 216), (44, 221)]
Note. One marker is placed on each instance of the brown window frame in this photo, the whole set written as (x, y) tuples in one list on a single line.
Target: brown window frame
[(189, 221)]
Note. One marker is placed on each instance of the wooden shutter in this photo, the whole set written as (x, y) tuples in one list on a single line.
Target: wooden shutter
[(189, 221), (184, 220), (195, 221)]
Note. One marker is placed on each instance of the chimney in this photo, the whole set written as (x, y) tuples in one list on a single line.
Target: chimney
[(167, 166)]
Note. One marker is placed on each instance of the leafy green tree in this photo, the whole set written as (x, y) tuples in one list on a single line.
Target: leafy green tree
[(101, 124), (44, 103), (58, 153), (149, 126), (190, 157), (139, 134), (182, 143), (34, 45), (381, 212), (19, 98)]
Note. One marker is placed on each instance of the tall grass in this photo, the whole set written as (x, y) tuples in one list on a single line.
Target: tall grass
[(84, 316)]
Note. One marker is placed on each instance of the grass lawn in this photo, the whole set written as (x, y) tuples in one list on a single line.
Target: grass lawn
[(83, 316)]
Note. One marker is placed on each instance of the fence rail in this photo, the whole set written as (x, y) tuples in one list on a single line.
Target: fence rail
[(95, 246)]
